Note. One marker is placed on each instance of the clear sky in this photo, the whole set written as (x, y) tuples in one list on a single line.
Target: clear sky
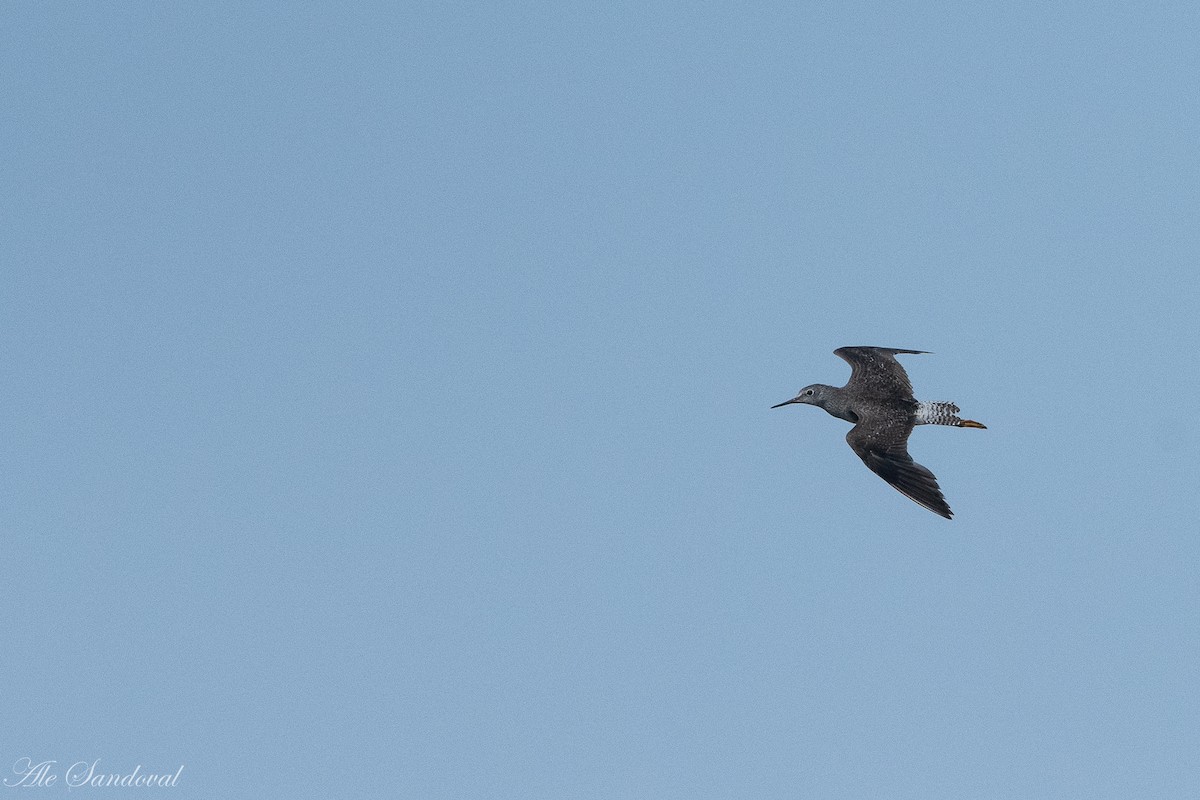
[(387, 385)]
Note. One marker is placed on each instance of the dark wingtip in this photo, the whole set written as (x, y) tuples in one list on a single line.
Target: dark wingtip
[(937, 505), (912, 480), (930, 503), (942, 510)]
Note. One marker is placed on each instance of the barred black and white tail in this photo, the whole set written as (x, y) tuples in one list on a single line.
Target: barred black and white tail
[(939, 413)]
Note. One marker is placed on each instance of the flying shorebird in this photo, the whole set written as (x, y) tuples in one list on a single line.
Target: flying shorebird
[(878, 399)]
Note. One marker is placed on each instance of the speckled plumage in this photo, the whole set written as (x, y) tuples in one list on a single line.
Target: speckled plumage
[(878, 399), (937, 413)]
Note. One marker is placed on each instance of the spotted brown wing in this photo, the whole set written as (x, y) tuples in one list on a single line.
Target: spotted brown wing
[(881, 441), (875, 373)]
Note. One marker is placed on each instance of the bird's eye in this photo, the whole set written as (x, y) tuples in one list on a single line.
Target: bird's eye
[(809, 392)]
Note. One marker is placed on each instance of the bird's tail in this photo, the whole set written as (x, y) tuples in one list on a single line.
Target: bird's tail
[(943, 414)]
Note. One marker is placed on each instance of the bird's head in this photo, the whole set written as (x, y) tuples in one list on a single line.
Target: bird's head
[(814, 395)]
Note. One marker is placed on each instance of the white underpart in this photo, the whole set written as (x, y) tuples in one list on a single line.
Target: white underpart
[(937, 413)]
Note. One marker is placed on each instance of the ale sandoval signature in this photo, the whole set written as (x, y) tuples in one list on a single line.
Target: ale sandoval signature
[(27, 772)]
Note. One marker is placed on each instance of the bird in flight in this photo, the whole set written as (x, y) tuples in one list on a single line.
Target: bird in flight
[(878, 399)]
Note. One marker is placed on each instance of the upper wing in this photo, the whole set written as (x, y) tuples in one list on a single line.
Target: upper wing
[(882, 444), (875, 372)]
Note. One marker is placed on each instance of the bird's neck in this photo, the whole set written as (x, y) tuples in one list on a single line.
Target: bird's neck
[(837, 404)]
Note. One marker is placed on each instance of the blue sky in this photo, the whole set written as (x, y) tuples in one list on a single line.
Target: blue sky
[(387, 398)]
